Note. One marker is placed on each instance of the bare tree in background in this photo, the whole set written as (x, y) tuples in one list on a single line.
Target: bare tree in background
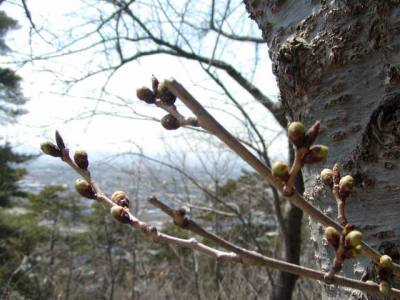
[(318, 58)]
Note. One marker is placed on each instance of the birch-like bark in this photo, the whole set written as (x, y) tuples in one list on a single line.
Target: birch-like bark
[(338, 61)]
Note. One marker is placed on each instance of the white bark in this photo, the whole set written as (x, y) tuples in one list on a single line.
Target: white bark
[(339, 62)]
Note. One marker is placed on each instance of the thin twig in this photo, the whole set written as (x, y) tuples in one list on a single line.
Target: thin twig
[(257, 259), (210, 124)]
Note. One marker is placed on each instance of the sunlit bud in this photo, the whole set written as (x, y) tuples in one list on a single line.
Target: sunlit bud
[(166, 96), (120, 198), (280, 169), (356, 250), (327, 177), (346, 183), (84, 189), (385, 262), (312, 134), (317, 153), (121, 214), (81, 159), (384, 288), (145, 94), (296, 133), (50, 149), (332, 236), (170, 122), (59, 140), (353, 238)]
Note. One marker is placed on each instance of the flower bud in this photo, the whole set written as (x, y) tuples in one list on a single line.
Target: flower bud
[(385, 262), (169, 122), (332, 236), (384, 288), (146, 95), (50, 149), (81, 159), (356, 251), (317, 153), (166, 96), (312, 134), (346, 183), (281, 170), (353, 238), (154, 84), (121, 214), (120, 198), (296, 133), (84, 189), (327, 177), (59, 141)]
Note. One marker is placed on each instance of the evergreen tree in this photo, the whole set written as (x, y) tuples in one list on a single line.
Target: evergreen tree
[(11, 99)]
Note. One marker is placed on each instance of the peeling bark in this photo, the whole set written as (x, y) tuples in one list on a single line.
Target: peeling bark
[(338, 61)]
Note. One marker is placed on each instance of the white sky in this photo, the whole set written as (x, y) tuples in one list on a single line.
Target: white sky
[(48, 110)]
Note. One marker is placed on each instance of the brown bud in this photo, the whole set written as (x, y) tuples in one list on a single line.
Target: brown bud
[(384, 288), (169, 122), (145, 94), (385, 262), (296, 133), (84, 189), (121, 214), (50, 149), (332, 236), (59, 141), (166, 96), (312, 134), (154, 84), (281, 170), (317, 153), (120, 198), (81, 159), (353, 238), (327, 177)]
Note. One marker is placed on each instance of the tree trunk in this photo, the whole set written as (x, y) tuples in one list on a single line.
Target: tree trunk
[(338, 62)]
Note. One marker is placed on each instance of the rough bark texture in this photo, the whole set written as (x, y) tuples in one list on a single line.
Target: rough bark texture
[(339, 62)]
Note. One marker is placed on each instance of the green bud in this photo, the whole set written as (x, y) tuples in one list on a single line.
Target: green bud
[(120, 198), (332, 236), (384, 288), (317, 153), (280, 169), (346, 183), (327, 177), (145, 94), (356, 251), (84, 189), (81, 159), (169, 122), (120, 214), (385, 262), (353, 238), (296, 133), (50, 149), (166, 96)]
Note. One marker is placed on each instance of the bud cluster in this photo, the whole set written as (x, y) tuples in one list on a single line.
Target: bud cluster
[(385, 273), (306, 152), (167, 98)]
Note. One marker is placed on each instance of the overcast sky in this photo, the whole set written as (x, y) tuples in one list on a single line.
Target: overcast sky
[(48, 110)]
